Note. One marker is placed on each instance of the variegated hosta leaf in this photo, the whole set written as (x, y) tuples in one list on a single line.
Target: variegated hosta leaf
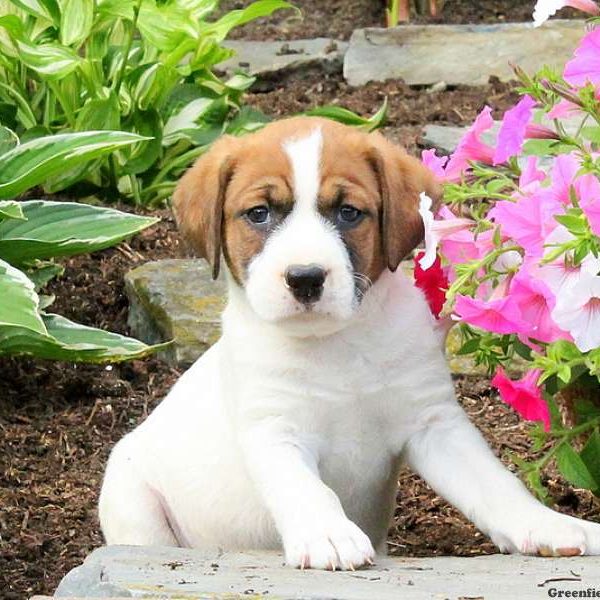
[(31, 163), (9, 209), (76, 20), (64, 229), (8, 140), (70, 341), (50, 60), (20, 302)]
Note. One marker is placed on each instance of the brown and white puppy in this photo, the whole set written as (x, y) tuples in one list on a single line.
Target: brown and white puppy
[(290, 431)]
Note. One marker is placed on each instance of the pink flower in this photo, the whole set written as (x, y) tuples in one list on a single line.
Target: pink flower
[(577, 311), (591, 210), (531, 176), (544, 9), (584, 67), (523, 395), (512, 131), (500, 315), (563, 109), (587, 189), (535, 131), (437, 230), (470, 147), (564, 171), (435, 163), (528, 220), (536, 301), (433, 282)]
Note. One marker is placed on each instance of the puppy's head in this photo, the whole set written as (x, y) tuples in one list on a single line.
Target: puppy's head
[(307, 214)]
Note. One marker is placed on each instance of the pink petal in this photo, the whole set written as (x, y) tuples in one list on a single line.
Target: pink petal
[(584, 67), (524, 396), (498, 316), (512, 131)]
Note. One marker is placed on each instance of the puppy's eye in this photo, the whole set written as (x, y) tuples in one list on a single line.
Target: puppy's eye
[(349, 214), (258, 215)]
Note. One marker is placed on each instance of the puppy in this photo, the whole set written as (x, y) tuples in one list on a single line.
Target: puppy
[(291, 430)]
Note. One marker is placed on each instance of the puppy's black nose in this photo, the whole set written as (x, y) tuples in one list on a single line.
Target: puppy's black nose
[(305, 282)]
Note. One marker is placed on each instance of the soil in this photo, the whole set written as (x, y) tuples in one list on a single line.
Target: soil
[(58, 421), (339, 18)]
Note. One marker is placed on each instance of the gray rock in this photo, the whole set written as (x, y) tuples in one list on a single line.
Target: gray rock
[(182, 573), (457, 54), (176, 300), (264, 59)]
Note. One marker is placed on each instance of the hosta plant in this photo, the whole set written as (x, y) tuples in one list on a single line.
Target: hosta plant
[(513, 257), (143, 66), (33, 232)]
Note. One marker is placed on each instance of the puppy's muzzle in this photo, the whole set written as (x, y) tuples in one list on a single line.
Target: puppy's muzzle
[(305, 282)]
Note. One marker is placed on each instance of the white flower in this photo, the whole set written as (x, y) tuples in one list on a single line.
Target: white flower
[(544, 9), (437, 230), (431, 239), (561, 274), (577, 311)]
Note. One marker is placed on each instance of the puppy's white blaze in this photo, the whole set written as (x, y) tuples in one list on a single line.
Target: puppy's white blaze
[(305, 159)]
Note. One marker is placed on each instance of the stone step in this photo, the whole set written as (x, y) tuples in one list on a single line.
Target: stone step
[(458, 54), (267, 59), (166, 573)]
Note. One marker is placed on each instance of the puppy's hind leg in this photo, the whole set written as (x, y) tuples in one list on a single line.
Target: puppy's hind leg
[(130, 511)]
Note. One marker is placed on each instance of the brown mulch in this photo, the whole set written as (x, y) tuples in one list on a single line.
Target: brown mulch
[(58, 421), (339, 18)]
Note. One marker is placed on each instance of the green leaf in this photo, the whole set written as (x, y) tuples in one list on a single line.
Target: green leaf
[(44, 273), (8, 140), (590, 454), (469, 346), (261, 8), (591, 133), (76, 20), (41, 9), (50, 60), (166, 27), (343, 115), (19, 306), (9, 209), (24, 112), (66, 340), (574, 469), (99, 114), (31, 163), (143, 156), (64, 229)]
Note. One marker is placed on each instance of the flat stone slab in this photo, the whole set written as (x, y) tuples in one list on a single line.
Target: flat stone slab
[(128, 571), (176, 300), (265, 59), (458, 54)]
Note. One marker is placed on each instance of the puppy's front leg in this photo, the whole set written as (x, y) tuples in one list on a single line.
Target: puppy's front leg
[(452, 456), (309, 516)]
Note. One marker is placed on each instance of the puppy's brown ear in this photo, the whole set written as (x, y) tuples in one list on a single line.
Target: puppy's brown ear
[(401, 180), (199, 199)]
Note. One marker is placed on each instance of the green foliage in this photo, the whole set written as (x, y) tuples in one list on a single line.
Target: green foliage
[(139, 66), (35, 231)]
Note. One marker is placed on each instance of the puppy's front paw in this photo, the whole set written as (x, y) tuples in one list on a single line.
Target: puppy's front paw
[(547, 533), (336, 543)]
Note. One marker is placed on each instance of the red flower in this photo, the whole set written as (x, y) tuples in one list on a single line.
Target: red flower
[(433, 282)]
